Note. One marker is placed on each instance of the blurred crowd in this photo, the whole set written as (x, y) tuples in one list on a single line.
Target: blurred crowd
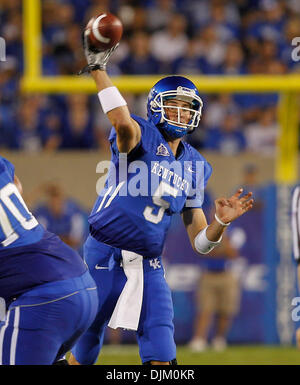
[(216, 37), (59, 213)]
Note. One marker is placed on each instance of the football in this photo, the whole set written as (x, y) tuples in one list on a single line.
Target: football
[(104, 31)]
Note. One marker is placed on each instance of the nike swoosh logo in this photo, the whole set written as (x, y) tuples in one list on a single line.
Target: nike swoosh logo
[(97, 267), (190, 169), (133, 259)]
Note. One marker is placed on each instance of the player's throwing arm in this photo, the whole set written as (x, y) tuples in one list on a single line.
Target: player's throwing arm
[(97, 53)]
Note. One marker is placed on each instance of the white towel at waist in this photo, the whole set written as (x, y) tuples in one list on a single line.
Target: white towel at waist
[(127, 311)]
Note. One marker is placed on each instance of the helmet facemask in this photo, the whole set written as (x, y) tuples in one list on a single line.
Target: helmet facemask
[(158, 105)]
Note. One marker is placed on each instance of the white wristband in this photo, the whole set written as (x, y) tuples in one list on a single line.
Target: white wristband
[(111, 98), (221, 223), (202, 244)]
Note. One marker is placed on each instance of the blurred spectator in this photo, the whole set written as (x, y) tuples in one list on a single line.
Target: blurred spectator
[(66, 51), (133, 16), (139, 19), (190, 62), (9, 81), (89, 8), (203, 12), (252, 103), (211, 50), (294, 6), (139, 60), (198, 13), (158, 16), (262, 135), (28, 132), (269, 51), (77, 123), (218, 295), (60, 214), (276, 67), (228, 139), (233, 61), (56, 20), (226, 30), (217, 107), (168, 45), (271, 24), (52, 131), (11, 31), (250, 182)]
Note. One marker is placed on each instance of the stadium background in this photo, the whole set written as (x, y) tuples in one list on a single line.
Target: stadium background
[(239, 53)]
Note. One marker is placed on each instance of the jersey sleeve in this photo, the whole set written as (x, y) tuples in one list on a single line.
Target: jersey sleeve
[(140, 148), (8, 167), (202, 173)]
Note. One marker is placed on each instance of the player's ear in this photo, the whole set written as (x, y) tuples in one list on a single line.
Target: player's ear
[(18, 184)]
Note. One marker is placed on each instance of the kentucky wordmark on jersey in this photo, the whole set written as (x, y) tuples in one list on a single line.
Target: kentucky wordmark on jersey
[(144, 188)]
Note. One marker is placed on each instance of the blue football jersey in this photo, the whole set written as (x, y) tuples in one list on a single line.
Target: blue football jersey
[(18, 226), (144, 189), (29, 255)]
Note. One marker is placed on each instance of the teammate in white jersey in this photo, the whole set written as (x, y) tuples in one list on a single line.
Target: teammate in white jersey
[(296, 239)]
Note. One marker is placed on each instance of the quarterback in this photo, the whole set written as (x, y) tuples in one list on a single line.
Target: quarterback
[(127, 231)]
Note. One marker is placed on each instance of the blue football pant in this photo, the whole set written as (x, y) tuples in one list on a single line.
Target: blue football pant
[(42, 325), (155, 334)]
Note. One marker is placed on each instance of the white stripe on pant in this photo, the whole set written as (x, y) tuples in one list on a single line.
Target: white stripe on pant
[(14, 337)]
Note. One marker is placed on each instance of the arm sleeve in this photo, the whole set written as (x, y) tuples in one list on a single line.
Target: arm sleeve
[(8, 167)]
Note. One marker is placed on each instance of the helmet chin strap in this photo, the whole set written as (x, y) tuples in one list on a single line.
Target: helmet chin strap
[(172, 130)]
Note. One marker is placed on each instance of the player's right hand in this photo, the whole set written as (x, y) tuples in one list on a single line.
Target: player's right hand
[(97, 60)]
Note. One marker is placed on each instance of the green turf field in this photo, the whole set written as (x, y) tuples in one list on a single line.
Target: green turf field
[(233, 355)]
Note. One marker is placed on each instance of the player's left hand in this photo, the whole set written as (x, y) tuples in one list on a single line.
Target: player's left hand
[(229, 209)]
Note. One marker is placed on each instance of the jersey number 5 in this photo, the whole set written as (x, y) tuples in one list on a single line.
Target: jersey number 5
[(163, 189)]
